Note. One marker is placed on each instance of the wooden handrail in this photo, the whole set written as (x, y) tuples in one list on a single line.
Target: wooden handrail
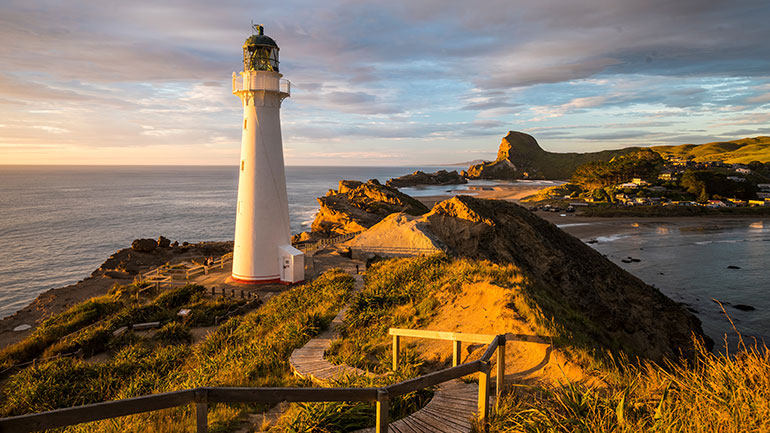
[(443, 335), (432, 379), (203, 396)]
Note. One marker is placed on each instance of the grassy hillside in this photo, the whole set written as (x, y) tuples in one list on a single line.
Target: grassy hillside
[(741, 151), (252, 350)]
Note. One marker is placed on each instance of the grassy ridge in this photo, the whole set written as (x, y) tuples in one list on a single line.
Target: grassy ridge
[(741, 151)]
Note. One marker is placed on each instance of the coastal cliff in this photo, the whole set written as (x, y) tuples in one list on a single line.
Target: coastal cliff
[(356, 206), (521, 157)]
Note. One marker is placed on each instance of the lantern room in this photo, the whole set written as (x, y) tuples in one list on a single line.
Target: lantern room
[(260, 52)]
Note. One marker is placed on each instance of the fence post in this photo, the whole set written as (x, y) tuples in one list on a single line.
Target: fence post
[(396, 347), (500, 368), (483, 406), (201, 411), (383, 406), (456, 352)]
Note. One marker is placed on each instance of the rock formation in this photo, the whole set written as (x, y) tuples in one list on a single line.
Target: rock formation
[(356, 206), (441, 177), (521, 157), (396, 235), (569, 278)]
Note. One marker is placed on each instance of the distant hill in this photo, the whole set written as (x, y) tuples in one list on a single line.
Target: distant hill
[(741, 151), (521, 157)]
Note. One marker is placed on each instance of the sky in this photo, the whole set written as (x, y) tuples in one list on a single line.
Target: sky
[(402, 82)]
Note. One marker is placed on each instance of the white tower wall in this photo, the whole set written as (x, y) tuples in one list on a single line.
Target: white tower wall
[(262, 233)]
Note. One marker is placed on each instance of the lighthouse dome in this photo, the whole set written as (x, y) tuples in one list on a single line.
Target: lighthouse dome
[(260, 52), (260, 41)]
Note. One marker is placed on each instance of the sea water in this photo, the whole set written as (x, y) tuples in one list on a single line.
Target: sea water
[(703, 264)]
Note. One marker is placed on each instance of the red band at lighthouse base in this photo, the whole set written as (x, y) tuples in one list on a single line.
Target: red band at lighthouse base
[(237, 280), (270, 279)]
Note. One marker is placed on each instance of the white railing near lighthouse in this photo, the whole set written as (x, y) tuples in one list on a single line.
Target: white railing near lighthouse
[(255, 81)]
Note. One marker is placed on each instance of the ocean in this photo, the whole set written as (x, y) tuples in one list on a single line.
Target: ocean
[(700, 262), (59, 223)]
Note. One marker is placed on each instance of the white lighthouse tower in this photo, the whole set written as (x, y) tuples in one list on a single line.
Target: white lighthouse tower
[(263, 251)]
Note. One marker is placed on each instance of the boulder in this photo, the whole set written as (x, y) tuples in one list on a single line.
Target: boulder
[(441, 177), (144, 245), (163, 242)]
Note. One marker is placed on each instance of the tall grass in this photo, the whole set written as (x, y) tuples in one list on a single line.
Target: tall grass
[(713, 393)]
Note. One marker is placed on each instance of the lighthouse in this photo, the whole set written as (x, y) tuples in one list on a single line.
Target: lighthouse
[(263, 252)]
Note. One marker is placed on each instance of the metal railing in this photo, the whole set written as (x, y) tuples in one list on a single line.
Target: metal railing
[(204, 396), (255, 80)]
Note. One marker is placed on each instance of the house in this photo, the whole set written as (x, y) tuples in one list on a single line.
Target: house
[(736, 178), (737, 202), (716, 203), (759, 202), (667, 176), (657, 188), (764, 186), (763, 195), (639, 181), (628, 185), (743, 170)]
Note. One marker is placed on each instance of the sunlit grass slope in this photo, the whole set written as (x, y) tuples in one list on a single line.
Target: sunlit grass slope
[(741, 151)]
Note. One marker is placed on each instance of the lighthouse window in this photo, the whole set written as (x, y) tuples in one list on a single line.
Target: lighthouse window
[(242, 163), (244, 123)]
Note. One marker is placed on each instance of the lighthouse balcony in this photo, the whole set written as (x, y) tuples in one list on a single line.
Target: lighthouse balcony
[(260, 80)]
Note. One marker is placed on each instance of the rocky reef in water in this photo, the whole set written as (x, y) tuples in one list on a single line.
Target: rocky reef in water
[(441, 177), (521, 157)]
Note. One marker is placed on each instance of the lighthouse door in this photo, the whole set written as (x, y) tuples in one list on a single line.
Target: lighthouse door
[(286, 269)]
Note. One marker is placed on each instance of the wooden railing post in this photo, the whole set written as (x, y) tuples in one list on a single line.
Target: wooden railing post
[(383, 406), (396, 347), (500, 368), (456, 352), (201, 411), (483, 406)]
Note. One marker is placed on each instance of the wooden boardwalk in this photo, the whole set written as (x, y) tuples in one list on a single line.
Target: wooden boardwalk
[(308, 361), (450, 410)]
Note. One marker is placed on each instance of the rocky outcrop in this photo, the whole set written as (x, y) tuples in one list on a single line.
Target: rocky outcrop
[(441, 177), (573, 283), (356, 206), (521, 157), (397, 234)]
